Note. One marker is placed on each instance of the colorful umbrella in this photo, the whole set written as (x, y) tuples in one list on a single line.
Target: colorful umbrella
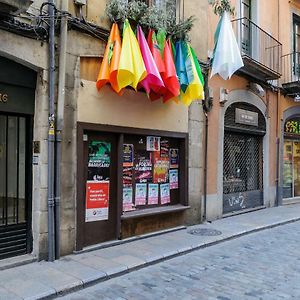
[(195, 88), (169, 76), (227, 57), (132, 69), (153, 79), (110, 63)]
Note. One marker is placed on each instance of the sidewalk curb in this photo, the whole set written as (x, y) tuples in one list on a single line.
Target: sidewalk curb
[(186, 250)]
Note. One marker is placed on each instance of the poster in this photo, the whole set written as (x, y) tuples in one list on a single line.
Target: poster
[(97, 201), (152, 193), (140, 193), (128, 155), (173, 178), (153, 143), (99, 161), (127, 176), (143, 167), (164, 193), (127, 199), (160, 168), (174, 158), (164, 148)]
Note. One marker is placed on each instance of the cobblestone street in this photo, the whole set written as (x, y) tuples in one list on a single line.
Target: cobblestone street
[(263, 265)]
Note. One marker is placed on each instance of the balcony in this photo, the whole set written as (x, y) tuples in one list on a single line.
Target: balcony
[(291, 73), (261, 52), (16, 6)]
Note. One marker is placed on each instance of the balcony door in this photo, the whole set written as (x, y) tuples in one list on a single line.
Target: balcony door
[(246, 27), (296, 47)]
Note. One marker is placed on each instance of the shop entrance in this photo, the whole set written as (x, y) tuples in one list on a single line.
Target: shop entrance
[(98, 213), (15, 198), (243, 158)]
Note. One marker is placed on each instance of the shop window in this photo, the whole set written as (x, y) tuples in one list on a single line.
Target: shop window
[(291, 169), (151, 170), (291, 159)]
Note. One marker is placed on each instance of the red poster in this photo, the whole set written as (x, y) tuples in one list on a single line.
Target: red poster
[(97, 201)]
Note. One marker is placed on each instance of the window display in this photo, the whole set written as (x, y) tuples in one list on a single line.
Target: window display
[(150, 172)]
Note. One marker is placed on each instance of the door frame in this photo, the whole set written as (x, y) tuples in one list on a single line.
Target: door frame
[(120, 131)]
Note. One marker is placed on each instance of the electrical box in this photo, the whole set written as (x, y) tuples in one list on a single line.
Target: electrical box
[(80, 2)]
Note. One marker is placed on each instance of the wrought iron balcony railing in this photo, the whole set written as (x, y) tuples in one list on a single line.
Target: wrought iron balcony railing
[(291, 73), (260, 51)]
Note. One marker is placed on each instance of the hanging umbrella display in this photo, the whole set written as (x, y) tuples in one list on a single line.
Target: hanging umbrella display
[(132, 69), (153, 81), (169, 76), (227, 57), (194, 89), (110, 63)]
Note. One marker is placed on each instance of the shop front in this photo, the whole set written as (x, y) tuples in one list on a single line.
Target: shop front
[(131, 182), (244, 129), (17, 94), (291, 160)]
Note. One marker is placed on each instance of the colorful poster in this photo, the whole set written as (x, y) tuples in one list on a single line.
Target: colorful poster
[(164, 148), (152, 193), (160, 168), (128, 155), (127, 176), (143, 167), (97, 201), (127, 199), (99, 160), (173, 178), (164, 193), (174, 158), (153, 143), (140, 193)]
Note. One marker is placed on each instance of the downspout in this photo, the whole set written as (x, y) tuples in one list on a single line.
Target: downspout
[(205, 166), (206, 109), (51, 133), (60, 120)]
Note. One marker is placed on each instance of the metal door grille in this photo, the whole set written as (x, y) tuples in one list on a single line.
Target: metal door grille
[(242, 171), (13, 186)]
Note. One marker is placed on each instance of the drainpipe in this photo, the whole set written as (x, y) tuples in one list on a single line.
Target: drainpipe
[(51, 133), (60, 120), (205, 166)]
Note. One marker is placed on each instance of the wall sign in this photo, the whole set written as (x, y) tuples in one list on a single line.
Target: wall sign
[(292, 126), (246, 117)]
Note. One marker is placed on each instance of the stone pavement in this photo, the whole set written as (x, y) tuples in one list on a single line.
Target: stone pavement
[(44, 279), (263, 265)]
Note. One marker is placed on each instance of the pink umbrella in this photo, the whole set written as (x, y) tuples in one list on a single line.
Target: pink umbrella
[(153, 79)]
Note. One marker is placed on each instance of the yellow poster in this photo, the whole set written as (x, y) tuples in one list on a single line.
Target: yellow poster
[(296, 149)]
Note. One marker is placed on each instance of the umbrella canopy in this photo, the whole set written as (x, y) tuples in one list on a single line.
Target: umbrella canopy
[(132, 69), (153, 79), (110, 63), (227, 57)]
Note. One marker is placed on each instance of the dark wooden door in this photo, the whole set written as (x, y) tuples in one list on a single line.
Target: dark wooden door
[(100, 187)]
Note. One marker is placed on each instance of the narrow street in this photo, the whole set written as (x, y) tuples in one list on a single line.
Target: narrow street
[(263, 265)]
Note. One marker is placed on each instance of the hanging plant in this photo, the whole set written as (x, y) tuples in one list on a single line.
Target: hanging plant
[(116, 10), (220, 6), (180, 31), (154, 18), (149, 17), (136, 10)]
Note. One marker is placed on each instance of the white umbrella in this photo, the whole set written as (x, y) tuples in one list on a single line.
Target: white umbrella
[(227, 57)]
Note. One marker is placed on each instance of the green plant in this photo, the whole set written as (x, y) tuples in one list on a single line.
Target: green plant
[(116, 10), (220, 6), (136, 10)]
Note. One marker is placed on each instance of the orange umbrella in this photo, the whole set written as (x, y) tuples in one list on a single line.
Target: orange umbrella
[(109, 67)]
